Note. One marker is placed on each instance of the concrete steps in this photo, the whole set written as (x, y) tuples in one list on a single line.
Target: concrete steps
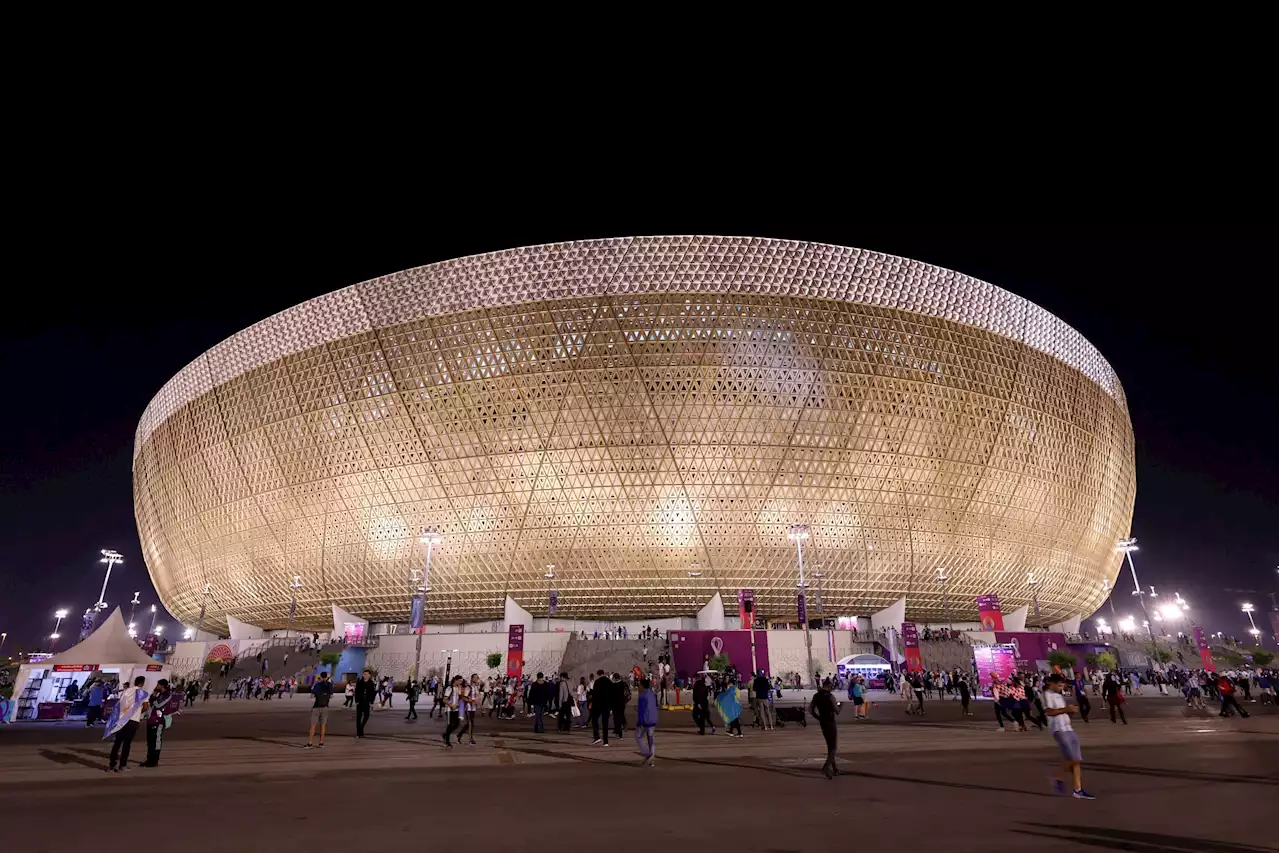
[(586, 657)]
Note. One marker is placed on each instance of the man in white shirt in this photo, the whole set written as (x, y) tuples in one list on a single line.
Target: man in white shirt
[(124, 722), (1058, 712)]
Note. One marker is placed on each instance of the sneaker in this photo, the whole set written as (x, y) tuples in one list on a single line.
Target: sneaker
[(320, 745), (1059, 787), (111, 769), (1082, 794), (308, 746), (596, 742), (473, 743), (605, 744)]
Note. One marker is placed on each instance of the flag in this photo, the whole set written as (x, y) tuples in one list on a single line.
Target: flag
[(728, 705), (131, 698)]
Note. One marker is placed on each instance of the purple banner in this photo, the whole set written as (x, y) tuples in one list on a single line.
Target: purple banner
[(801, 610), (989, 613), (689, 649), (553, 602), (515, 651), (1202, 646), (992, 661), (746, 615), (911, 647), (417, 613), (1031, 648)]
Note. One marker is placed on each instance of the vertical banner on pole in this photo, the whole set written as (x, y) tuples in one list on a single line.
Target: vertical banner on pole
[(515, 651), (801, 611), (831, 646), (417, 613), (553, 602), (911, 647), (989, 613), (746, 614), (1202, 646)]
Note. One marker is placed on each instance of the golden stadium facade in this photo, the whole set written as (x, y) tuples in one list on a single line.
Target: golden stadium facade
[(648, 415)]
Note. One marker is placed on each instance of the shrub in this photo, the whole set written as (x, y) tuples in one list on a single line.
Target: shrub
[(1163, 655), (1091, 660), (1061, 659), (1262, 657), (493, 660), (330, 658), (719, 663), (1107, 661)]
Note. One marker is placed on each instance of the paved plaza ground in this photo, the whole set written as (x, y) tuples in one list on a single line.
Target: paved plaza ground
[(234, 776)]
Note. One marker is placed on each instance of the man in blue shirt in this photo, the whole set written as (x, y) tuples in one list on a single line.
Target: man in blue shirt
[(95, 704), (646, 721)]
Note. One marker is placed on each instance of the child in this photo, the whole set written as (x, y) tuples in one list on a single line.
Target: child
[(1058, 712)]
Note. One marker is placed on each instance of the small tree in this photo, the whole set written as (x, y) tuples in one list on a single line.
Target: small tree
[(1061, 659), (493, 660), (719, 663), (1262, 657), (330, 658), (1163, 655), (1091, 660), (1107, 661)]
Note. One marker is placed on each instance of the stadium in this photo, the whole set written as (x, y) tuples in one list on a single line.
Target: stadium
[(636, 423)]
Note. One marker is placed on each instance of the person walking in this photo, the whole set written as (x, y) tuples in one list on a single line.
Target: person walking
[(702, 705), (601, 701), (857, 692), (567, 705), (158, 718), (321, 692), (824, 707), (455, 704), (123, 724), (620, 697), (730, 709), (95, 704), (962, 687), (580, 698), (1082, 698), (646, 722), (1114, 697), (1058, 712), (411, 691), (1227, 690), (538, 700), (350, 692), (366, 692)]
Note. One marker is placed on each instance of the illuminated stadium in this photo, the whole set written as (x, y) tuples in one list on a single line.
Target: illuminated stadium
[(648, 416)]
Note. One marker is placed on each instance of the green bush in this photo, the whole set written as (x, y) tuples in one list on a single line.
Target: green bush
[(1091, 660), (1262, 657), (1233, 659), (1107, 661), (330, 658), (1061, 659), (1163, 655), (719, 663), (493, 660)]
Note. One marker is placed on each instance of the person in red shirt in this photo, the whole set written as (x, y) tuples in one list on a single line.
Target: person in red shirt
[(1227, 689)]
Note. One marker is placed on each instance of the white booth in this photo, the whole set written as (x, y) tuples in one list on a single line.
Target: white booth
[(873, 668), (108, 654)]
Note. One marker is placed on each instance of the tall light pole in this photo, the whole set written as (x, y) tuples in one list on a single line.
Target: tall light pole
[(798, 533), (429, 537), (1032, 583), (294, 586), (1127, 547), (112, 559), (152, 629), (58, 616), (1253, 626), (204, 602), (4, 635), (549, 575), (1106, 590), (945, 580), (134, 607)]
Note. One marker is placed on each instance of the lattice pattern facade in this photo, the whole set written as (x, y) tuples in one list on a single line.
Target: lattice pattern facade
[(631, 411)]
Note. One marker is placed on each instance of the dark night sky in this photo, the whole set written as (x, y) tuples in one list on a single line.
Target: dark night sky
[(1179, 311)]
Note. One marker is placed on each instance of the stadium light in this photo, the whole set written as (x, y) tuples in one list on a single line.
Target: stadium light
[(112, 559), (1248, 610), (1127, 546), (798, 533)]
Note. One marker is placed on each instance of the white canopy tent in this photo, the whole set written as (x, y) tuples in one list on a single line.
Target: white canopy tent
[(109, 650)]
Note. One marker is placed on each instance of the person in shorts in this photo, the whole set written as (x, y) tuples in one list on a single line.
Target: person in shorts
[(320, 692), (1059, 713)]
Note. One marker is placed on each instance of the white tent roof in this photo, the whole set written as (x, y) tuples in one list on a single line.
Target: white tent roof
[(109, 643)]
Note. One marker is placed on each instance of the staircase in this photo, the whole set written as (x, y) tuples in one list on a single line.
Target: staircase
[(274, 654), (586, 657)]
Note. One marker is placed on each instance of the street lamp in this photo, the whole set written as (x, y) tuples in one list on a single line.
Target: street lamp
[(58, 616), (448, 664), (1127, 547), (549, 575), (153, 620), (111, 558), (134, 606), (429, 537), (294, 585), (798, 533), (1253, 626), (1035, 600), (945, 580)]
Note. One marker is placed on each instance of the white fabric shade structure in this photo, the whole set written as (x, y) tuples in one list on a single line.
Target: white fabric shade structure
[(108, 648)]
